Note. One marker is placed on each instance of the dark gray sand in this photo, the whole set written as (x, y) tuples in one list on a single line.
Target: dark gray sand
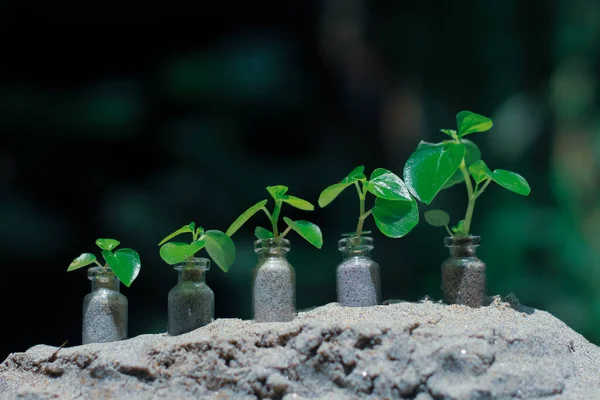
[(274, 291), (464, 282), (104, 317), (423, 351), (358, 283), (190, 306)]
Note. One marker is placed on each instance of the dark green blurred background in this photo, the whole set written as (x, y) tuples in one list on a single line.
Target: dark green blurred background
[(132, 131)]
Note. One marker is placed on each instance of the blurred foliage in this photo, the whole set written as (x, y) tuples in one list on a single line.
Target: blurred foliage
[(127, 139)]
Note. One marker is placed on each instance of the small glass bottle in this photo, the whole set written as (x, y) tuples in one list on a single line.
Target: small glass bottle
[(463, 274), (191, 302), (273, 282), (357, 276), (104, 309)]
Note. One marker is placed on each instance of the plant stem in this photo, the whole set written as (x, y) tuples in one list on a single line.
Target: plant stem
[(478, 193), (362, 194), (273, 221), (287, 230), (472, 198), (449, 231), (100, 265), (276, 211)]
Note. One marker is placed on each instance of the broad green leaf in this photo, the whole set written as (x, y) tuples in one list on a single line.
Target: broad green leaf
[(511, 181), (82, 261), (429, 168), (387, 185), (176, 252), (349, 234), (298, 202), (331, 192), (395, 219), (107, 244), (468, 122), (459, 228), (125, 263), (308, 230), (437, 217), (472, 155), (221, 248), (277, 191), (357, 174), (184, 229), (237, 224), (450, 132), (480, 171), (262, 233)]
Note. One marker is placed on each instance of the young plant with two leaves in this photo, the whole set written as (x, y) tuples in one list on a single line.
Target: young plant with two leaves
[(395, 211), (217, 244), (309, 231), (124, 263), (437, 166)]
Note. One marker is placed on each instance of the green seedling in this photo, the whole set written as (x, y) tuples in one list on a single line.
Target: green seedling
[(125, 263), (395, 211), (437, 166), (309, 231), (218, 245)]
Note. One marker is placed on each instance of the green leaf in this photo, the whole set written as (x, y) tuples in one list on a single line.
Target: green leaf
[(107, 244), (468, 122), (277, 191), (262, 233), (176, 252), (349, 234), (511, 181), (82, 261), (331, 192), (125, 263), (450, 132), (184, 229), (459, 229), (237, 224), (437, 217), (387, 185), (429, 168), (221, 248), (480, 171), (199, 231), (395, 219), (298, 203), (472, 155), (308, 230), (357, 174)]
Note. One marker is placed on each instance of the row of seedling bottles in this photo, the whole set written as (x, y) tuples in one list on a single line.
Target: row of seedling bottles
[(431, 168)]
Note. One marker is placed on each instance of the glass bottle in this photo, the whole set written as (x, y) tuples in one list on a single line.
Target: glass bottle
[(463, 274), (191, 302), (357, 276), (273, 282), (104, 309)]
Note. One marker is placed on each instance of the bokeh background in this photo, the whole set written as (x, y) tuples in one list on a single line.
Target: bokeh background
[(129, 132)]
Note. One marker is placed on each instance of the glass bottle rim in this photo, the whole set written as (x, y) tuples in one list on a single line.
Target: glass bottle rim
[(103, 272), (364, 243), (272, 243), (199, 263), (452, 241)]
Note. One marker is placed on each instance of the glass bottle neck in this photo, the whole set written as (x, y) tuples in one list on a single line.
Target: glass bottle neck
[(193, 270), (103, 278), (355, 246), (272, 248), (462, 247)]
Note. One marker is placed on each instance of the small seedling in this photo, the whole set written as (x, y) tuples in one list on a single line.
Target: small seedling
[(218, 245), (308, 230), (395, 211), (125, 263), (437, 166)]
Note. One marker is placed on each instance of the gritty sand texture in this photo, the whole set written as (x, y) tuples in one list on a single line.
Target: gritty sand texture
[(190, 306), (403, 350), (464, 282), (104, 317), (274, 291), (358, 283)]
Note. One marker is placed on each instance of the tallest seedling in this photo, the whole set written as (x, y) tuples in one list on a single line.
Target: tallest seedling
[(437, 166)]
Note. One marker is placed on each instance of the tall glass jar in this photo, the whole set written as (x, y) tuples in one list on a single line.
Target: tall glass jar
[(191, 301), (104, 309), (357, 276), (273, 282), (463, 274)]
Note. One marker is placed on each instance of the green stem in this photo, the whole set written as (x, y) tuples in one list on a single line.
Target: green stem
[(287, 230), (449, 231), (472, 198), (478, 192), (100, 265), (362, 194), (273, 221)]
